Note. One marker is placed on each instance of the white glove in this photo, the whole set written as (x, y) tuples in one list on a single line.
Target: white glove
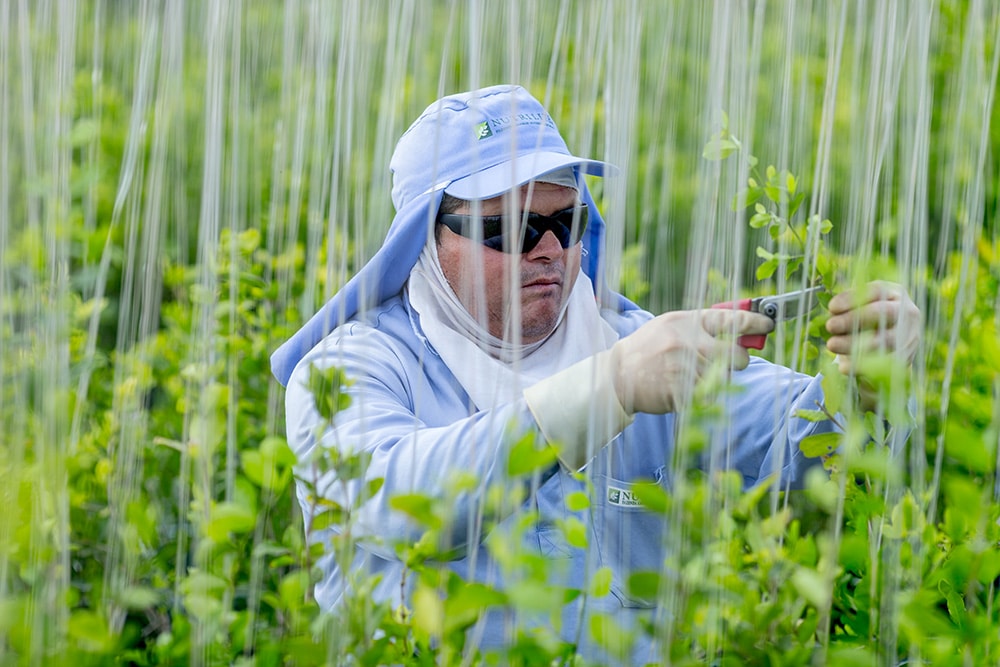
[(659, 365), (880, 318), (654, 369)]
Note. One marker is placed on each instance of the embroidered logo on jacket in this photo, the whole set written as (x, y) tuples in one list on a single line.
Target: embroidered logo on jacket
[(622, 497)]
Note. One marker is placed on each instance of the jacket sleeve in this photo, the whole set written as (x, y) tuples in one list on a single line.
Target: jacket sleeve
[(762, 435), (409, 429)]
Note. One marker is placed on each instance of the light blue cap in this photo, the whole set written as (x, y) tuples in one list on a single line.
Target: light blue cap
[(473, 145)]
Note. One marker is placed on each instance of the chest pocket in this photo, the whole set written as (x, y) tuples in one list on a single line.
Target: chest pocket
[(629, 537)]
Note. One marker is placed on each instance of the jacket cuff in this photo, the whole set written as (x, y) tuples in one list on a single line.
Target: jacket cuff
[(577, 409)]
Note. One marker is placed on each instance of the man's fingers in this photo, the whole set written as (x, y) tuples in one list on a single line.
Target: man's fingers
[(873, 315), (734, 322), (877, 290), (884, 340)]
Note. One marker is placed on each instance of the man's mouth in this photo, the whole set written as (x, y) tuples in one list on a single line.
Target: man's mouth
[(544, 281)]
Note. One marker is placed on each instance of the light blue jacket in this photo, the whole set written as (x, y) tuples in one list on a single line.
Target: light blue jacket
[(415, 419)]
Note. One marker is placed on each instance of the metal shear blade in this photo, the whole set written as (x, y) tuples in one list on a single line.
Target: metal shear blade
[(781, 307)]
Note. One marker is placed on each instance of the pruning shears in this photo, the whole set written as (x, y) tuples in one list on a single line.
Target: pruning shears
[(779, 307)]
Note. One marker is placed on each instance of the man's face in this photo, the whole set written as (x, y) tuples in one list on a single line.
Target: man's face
[(485, 279)]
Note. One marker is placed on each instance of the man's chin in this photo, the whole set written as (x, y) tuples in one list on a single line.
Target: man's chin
[(534, 329)]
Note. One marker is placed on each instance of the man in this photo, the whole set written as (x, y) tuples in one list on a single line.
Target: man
[(483, 318)]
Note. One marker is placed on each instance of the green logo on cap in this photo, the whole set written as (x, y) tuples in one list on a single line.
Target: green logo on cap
[(483, 130)]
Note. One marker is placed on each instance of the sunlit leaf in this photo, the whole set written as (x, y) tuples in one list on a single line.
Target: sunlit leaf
[(328, 387), (811, 415), (652, 496), (812, 586), (758, 220), (575, 532), (332, 517), (89, 630), (229, 517), (790, 183), (819, 444), (418, 507), (644, 585), (526, 456), (766, 269), (138, 597), (464, 606), (834, 386), (719, 148), (577, 501), (600, 582), (748, 197)]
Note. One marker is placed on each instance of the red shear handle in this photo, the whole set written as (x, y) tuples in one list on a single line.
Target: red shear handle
[(749, 341)]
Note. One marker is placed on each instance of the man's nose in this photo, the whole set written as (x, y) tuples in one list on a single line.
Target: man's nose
[(548, 248)]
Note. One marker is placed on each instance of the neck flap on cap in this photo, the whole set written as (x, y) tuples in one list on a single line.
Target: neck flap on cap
[(476, 145)]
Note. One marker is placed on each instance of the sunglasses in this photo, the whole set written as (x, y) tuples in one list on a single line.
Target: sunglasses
[(530, 232)]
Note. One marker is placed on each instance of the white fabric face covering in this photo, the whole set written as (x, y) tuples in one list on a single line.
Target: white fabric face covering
[(491, 370)]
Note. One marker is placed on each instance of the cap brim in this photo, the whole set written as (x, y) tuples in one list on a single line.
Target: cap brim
[(504, 177)]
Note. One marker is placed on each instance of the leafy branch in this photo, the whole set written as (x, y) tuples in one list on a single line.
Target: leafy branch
[(776, 199)]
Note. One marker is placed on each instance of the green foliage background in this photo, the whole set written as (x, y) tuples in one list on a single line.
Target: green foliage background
[(181, 184)]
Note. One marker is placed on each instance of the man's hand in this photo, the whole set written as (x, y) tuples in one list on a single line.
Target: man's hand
[(657, 366), (880, 318)]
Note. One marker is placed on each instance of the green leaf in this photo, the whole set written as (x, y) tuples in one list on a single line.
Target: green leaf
[(644, 585), (819, 444), (611, 635), (137, 598), (652, 496), (767, 269), (834, 386), (577, 501), (758, 220), (822, 490), (373, 486), (790, 183), (418, 507), (226, 518), (575, 532), (269, 467), (719, 148), (793, 265), (967, 446), (747, 197), (811, 415), (752, 497), (89, 631), (533, 596), (83, 132), (600, 583), (465, 605), (812, 586), (428, 612), (527, 457), (956, 606), (328, 387), (331, 517)]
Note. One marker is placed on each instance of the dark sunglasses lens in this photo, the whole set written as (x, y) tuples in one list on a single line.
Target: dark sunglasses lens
[(560, 224)]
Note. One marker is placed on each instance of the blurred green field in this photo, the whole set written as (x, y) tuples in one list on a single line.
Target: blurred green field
[(183, 183)]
